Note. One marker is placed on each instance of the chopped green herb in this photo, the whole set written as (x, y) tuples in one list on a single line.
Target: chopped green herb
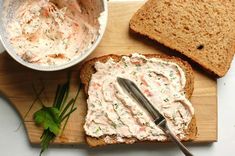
[(144, 60), (166, 100), (114, 125), (97, 130), (99, 102), (125, 64), (171, 73), (139, 113), (115, 106), (146, 123)]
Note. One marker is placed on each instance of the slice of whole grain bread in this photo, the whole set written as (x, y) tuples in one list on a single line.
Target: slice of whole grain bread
[(88, 69), (204, 31)]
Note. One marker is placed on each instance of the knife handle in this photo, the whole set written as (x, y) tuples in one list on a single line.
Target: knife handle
[(177, 141)]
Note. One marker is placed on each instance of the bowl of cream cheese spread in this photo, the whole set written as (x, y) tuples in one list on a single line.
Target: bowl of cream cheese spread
[(50, 35)]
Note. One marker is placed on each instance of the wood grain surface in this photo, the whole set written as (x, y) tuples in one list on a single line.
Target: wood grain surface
[(16, 81)]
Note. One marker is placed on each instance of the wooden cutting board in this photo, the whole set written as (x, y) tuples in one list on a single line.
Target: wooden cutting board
[(16, 81)]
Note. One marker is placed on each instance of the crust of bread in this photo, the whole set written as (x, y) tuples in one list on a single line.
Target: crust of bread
[(88, 69)]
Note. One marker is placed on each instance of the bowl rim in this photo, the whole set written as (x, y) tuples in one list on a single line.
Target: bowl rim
[(68, 64)]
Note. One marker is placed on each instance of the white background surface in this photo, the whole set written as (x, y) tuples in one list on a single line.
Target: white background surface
[(15, 143)]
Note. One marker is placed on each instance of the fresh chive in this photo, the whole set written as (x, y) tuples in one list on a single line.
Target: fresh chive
[(32, 104), (62, 91), (66, 108), (67, 92), (38, 96), (75, 99), (68, 114), (55, 115)]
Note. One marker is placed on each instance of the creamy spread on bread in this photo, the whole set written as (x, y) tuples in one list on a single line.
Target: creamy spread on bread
[(48, 33), (112, 112)]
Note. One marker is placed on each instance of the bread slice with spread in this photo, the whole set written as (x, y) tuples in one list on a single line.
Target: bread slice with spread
[(113, 117)]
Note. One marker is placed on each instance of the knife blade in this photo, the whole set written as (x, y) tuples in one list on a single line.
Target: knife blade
[(158, 118), (135, 92)]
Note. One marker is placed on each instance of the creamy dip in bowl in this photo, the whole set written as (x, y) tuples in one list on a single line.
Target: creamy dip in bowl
[(50, 35)]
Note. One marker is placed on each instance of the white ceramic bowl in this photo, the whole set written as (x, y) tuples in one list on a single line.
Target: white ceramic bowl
[(102, 10)]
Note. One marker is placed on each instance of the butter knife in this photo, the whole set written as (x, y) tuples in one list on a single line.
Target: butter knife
[(158, 118)]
